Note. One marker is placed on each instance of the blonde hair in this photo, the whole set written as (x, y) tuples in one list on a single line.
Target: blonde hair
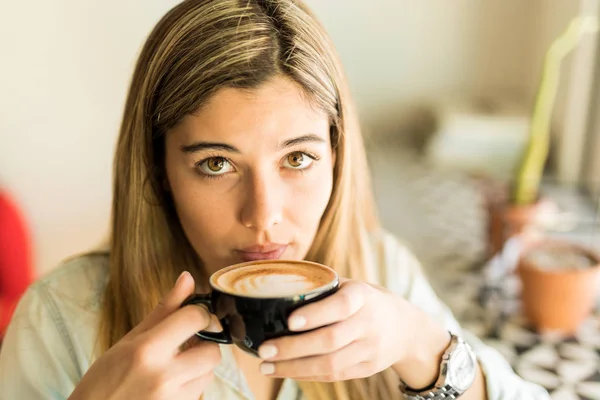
[(197, 48)]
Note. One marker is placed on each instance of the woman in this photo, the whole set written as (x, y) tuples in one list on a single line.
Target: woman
[(239, 142)]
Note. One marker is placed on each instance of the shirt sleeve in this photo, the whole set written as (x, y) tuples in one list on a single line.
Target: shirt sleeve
[(405, 277), (37, 360)]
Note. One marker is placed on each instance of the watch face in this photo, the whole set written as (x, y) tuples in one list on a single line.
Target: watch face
[(461, 370)]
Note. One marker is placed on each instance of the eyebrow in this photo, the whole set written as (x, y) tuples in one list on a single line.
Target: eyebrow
[(310, 138), (195, 147), (192, 148)]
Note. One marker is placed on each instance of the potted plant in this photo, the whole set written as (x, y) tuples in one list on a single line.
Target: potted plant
[(559, 284), (559, 279), (522, 208)]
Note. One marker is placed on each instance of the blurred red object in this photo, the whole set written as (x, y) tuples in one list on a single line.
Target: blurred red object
[(16, 269)]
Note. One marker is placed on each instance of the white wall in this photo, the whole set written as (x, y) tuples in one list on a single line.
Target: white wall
[(64, 71), (399, 50), (65, 66)]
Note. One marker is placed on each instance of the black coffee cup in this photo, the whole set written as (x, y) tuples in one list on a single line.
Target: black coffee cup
[(254, 300)]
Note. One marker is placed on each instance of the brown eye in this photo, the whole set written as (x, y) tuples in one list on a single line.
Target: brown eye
[(299, 160), (295, 159), (215, 166)]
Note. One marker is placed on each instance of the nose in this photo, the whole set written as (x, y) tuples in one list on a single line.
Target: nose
[(262, 206)]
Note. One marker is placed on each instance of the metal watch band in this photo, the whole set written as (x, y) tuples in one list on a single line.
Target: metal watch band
[(443, 393), (443, 388)]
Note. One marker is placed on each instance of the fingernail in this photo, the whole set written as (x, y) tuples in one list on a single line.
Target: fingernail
[(267, 368), (267, 351), (296, 323), (181, 277)]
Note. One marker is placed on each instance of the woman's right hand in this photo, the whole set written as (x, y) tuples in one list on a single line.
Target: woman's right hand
[(148, 362)]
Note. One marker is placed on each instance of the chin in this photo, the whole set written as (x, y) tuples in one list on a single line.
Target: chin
[(294, 254), (298, 256)]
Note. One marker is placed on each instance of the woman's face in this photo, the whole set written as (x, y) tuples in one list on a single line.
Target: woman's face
[(251, 174)]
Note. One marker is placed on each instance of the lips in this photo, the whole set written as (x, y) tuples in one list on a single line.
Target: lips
[(270, 251)]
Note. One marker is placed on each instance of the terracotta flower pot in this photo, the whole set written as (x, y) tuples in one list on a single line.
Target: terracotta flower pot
[(558, 299)]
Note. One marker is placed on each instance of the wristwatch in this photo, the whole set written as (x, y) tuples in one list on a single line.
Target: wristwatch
[(457, 373)]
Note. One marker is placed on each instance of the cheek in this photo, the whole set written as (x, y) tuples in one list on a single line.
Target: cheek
[(206, 214), (199, 207), (310, 199)]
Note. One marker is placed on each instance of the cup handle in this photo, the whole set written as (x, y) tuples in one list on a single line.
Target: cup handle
[(222, 337)]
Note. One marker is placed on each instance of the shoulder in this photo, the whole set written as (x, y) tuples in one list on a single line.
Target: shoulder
[(51, 339), (79, 281), (71, 296), (402, 274)]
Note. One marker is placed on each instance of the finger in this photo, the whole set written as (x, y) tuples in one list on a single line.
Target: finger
[(321, 341), (321, 365), (339, 306), (178, 327), (184, 286), (360, 370), (197, 361), (213, 326), (193, 389)]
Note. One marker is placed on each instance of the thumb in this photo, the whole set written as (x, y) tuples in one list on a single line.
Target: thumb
[(184, 286)]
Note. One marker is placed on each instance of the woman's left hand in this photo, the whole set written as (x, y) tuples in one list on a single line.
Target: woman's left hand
[(362, 331)]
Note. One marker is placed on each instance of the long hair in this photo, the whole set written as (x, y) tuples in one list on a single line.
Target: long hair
[(197, 48)]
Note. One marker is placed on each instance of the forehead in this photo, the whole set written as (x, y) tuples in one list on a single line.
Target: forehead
[(280, 108)]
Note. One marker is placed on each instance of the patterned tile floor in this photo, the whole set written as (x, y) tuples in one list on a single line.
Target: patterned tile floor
[(568, 366)]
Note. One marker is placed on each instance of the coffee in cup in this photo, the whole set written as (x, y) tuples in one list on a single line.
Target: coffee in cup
[(275, 279), (254, 300)]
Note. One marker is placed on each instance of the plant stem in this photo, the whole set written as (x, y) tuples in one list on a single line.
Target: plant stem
[(529, 176)]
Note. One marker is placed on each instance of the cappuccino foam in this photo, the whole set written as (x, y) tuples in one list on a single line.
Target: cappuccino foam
[(274, 279)]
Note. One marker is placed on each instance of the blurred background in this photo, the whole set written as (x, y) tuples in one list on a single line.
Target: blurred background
[(446, 93)]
